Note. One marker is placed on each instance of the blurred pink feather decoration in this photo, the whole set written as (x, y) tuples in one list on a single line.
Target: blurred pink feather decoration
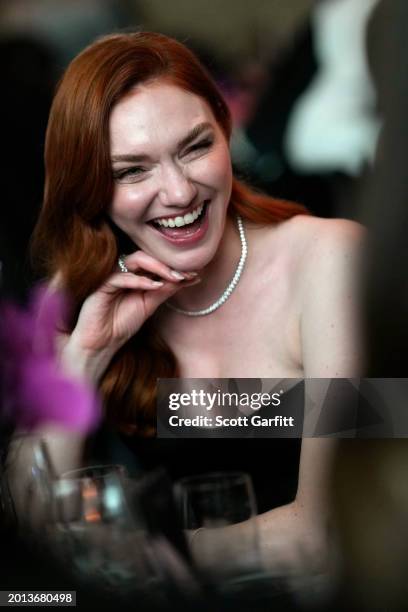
[(35, 390)]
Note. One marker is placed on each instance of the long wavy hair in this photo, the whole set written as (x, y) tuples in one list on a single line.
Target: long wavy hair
[(74, 237)]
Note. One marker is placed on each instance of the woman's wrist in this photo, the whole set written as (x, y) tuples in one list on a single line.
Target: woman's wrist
[(82, 363)]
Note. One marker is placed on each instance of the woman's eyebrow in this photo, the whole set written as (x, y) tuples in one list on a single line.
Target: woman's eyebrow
[(129, 157), (194, 133), (190, 137)]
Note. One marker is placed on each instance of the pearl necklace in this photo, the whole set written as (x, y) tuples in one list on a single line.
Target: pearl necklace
[(234, 282)]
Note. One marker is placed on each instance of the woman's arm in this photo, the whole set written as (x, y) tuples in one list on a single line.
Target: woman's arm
[(331, 341), (108, 318)]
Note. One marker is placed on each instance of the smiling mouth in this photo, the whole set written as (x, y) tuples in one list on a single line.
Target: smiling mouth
[(182, 225)]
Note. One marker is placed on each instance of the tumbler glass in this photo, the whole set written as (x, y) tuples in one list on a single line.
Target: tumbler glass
[(26, 476), (94, 525)]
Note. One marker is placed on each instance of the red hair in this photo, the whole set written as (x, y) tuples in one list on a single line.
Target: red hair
[(79, 187)]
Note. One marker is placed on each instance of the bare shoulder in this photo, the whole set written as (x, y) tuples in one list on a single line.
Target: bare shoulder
[(309, 232), (316, 232), (318, 243), (329, 286), (315, 263), (305, 242)]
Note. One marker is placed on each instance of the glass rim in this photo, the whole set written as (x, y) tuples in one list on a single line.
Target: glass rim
[(209, 479), (79, 473)]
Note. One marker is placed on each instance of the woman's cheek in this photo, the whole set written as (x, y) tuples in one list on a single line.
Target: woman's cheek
[(223, 166), (217, 172), (127, 203)]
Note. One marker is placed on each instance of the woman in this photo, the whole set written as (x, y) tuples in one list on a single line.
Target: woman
[(137, 163)]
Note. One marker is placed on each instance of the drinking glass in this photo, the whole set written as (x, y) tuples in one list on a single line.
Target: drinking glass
[(218, 510), (26, 476), (94, 525)]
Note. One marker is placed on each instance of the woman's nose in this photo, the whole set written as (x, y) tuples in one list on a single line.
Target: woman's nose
[(176, 188)]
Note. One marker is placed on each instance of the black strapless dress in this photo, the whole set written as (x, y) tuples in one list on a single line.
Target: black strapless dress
[(273, 462)]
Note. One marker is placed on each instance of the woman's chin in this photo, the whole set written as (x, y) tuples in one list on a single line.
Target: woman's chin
[(193, 262)]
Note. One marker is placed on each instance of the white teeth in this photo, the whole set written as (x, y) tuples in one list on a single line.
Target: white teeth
[(180, 221)]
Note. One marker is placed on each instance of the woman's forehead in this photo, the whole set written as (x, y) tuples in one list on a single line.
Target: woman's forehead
[(156, 113)]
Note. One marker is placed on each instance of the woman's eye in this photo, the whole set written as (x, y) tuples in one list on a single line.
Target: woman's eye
[(129, 175), (200, 146)]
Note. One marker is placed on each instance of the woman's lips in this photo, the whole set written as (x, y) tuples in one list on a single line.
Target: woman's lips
[(187, 234)]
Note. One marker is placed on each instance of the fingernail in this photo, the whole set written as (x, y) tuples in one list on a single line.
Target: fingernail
[(191, 274), (157, 284), (177, 275)]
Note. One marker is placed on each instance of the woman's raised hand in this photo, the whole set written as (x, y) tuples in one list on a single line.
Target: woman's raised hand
[(116, 311)]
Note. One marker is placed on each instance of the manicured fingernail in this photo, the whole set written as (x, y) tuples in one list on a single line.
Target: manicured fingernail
[(157, 284), (177, 275), (191, 274)]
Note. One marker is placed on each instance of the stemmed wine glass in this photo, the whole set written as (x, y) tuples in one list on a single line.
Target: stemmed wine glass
[(218, 510)]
